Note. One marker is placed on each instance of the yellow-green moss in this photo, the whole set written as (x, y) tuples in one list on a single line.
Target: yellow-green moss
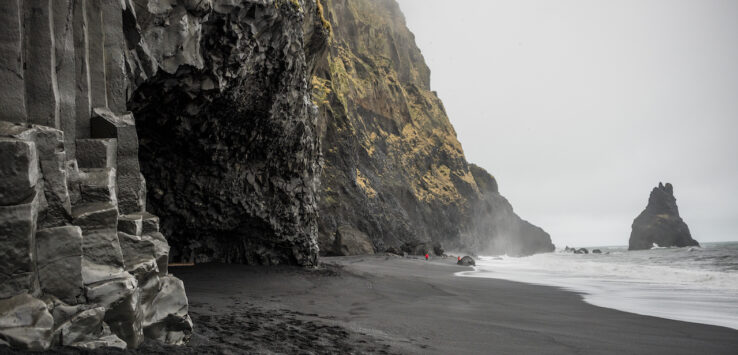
[(364, 184), (320, 91), (321, 16), (363, 78)]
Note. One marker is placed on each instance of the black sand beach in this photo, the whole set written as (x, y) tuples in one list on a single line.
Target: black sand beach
[(397, 305), (383, 304)]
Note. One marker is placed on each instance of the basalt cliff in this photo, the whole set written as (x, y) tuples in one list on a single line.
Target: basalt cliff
[(660, 224), (395, 174), (137, 133), (200, 107)]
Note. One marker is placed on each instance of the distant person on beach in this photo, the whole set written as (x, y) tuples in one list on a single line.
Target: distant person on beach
[(426, 256)]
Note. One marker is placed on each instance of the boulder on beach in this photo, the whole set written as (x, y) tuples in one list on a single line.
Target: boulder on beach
[(466, 261), (351, 241), (393, 250), (660, 224), (596, 251), (416, 247), (25, 323)]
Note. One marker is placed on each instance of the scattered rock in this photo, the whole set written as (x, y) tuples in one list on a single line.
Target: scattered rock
[(466, 261), (25, 323), (596, 251), (125, 316), (86, 325), (167, 320), (393, 250), (107, 340)]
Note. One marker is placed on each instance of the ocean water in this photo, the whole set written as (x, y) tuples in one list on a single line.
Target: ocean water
[(689, 284)]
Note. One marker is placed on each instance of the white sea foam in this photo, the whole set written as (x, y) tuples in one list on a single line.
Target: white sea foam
[(698, 286)]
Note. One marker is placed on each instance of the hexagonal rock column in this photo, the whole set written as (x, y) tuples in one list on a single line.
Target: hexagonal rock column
[(97, 153), (60, 263), (102, 257), (19, 205), (131, 184), (42, 92), (65, 67), (18, 170), (17, 248), (49, 145), (13, 99)]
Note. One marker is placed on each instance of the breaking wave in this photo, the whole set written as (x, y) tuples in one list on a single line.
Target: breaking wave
[(689, 284)]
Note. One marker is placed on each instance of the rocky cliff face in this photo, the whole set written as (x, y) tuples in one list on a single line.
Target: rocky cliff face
[(83, 261), (660, 223), (394, 170), (228, 130)]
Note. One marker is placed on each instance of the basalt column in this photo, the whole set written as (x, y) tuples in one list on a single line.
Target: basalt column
[(82, 263)]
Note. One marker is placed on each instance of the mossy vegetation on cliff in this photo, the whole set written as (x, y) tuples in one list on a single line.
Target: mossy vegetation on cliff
[(394, 168)]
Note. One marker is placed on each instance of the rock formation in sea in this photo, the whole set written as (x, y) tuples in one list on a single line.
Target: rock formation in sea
[(394, 169), (660, 224)]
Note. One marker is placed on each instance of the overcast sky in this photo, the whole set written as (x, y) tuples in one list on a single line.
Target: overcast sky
[(580, 108)]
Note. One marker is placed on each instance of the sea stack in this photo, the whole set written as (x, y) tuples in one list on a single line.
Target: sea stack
[(660, 224)]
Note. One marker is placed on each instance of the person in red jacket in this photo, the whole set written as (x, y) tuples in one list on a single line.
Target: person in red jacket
[(426, 256)]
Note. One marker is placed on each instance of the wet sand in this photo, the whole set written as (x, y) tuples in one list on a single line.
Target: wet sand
[(388, 304), (398, 305)]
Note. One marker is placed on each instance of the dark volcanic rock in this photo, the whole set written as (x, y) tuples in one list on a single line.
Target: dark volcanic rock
[(596, 251), (59, 254), (466, 261), (25, 323), (229, 145), (69, 68), (349, 241), (393, 166), (660, 224), (416, 247)]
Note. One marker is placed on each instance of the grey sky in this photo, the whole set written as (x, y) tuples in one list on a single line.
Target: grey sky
[(580, 108)]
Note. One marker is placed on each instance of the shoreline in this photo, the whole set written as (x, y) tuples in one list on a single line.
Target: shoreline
[(407, 305), (394, 305), (669, 283)]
